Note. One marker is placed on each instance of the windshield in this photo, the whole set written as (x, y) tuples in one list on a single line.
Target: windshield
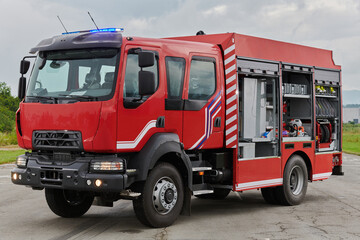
[(81, 75)]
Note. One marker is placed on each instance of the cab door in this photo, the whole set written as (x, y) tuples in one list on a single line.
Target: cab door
[(203, 115), (174, 102), (138, 118)]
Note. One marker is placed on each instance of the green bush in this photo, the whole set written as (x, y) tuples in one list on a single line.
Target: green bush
[(8, 138), (8, 107)]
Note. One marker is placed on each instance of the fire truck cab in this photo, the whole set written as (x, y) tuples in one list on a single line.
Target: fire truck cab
[(106, 117)]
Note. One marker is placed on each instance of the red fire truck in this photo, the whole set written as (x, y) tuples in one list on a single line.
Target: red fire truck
[(106, 117)]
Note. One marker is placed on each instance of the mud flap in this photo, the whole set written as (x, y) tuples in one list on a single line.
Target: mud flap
[(337, 170), (186, 209)]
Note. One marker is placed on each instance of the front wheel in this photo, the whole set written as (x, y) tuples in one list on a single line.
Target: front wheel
[(68, 203), (162, 197), (295, 182)]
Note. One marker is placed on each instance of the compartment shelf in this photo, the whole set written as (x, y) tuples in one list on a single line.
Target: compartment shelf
[(325, 96), (296, 96), (296, 139)]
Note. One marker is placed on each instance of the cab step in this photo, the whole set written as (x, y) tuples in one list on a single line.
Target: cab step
[(198, 166), (203, 188)]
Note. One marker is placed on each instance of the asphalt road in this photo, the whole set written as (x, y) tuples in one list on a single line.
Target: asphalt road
[(331, 210)]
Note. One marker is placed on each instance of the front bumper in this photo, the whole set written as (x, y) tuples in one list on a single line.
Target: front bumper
[(73, 176)]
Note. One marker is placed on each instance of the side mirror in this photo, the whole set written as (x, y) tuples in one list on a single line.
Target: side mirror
[(22, 88), (146, 59), (146, 83), (24, 66)]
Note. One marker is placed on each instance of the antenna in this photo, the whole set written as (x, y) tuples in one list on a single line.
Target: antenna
[(93, 20), (62, 24)]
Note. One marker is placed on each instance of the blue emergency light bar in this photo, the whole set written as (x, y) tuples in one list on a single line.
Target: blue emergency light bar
[(97, 30)]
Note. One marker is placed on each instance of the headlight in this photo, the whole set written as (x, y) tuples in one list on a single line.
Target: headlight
[(21, 161), (107, 166)]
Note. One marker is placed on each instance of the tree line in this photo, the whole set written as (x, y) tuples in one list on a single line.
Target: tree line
[(8, 107)]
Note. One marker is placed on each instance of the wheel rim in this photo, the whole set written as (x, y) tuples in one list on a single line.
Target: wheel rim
[(165, 195), (296, 180)]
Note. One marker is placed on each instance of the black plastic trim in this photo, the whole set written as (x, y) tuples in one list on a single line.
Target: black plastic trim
[(174, 104), (159, 145), (307, 145), (289, 146), (57, 140), (80, 40), (160, 122), (194, 105)]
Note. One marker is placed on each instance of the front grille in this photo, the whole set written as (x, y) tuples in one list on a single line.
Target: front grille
[(55, 140)]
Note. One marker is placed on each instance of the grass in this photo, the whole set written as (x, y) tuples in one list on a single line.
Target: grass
[(9, 156), (351, 138)]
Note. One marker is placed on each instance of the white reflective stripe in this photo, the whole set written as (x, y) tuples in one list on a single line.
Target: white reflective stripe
[(230, 79), (321, 175), (133, 144), (258, 158), (230, 140), (230, 89), (230, 130), (229, 49), (233, 108), (228, 101), (230, 69), (214, 105), (229, 59), (259, 184), (230, 120)]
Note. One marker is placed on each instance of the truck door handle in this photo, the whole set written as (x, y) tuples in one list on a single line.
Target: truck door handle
[(160, 122), (217, 122)]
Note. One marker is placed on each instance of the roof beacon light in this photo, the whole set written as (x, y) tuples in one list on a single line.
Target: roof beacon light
[(107, 30), (97, 30)]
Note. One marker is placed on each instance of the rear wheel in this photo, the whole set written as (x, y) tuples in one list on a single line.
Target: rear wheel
[(295, 182), (162, 197), (219, 193), (68, 203)]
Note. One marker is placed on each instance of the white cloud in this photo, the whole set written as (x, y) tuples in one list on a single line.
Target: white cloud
[(217, 11)]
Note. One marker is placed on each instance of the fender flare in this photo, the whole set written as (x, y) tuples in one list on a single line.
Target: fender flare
[(157, 146)]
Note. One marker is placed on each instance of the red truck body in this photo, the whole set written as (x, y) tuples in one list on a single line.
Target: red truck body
[(214, 135)]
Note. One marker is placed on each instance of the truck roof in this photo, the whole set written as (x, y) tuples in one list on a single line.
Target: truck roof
[(261, 48)]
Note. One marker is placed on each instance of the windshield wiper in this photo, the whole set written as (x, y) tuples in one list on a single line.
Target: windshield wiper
[(54, 99), (80, 97)]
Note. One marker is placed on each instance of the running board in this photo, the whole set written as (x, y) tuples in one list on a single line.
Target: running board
[(198, 166), (126, 194), (204, 188)]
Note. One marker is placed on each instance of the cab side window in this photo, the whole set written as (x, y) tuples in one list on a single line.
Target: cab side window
[(131, 84), (175, 71), (202, 81)]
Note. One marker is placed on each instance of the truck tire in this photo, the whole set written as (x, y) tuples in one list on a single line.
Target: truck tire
[(218, 194), (295, 182), (269, 194), (162, 197), (68, 203)]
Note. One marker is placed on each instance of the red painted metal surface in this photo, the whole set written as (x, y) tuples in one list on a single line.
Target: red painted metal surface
[(261, 48), (80, 116), (323, 166), (259, 172)]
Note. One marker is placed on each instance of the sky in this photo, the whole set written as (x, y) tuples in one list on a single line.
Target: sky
[(327, 24)]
